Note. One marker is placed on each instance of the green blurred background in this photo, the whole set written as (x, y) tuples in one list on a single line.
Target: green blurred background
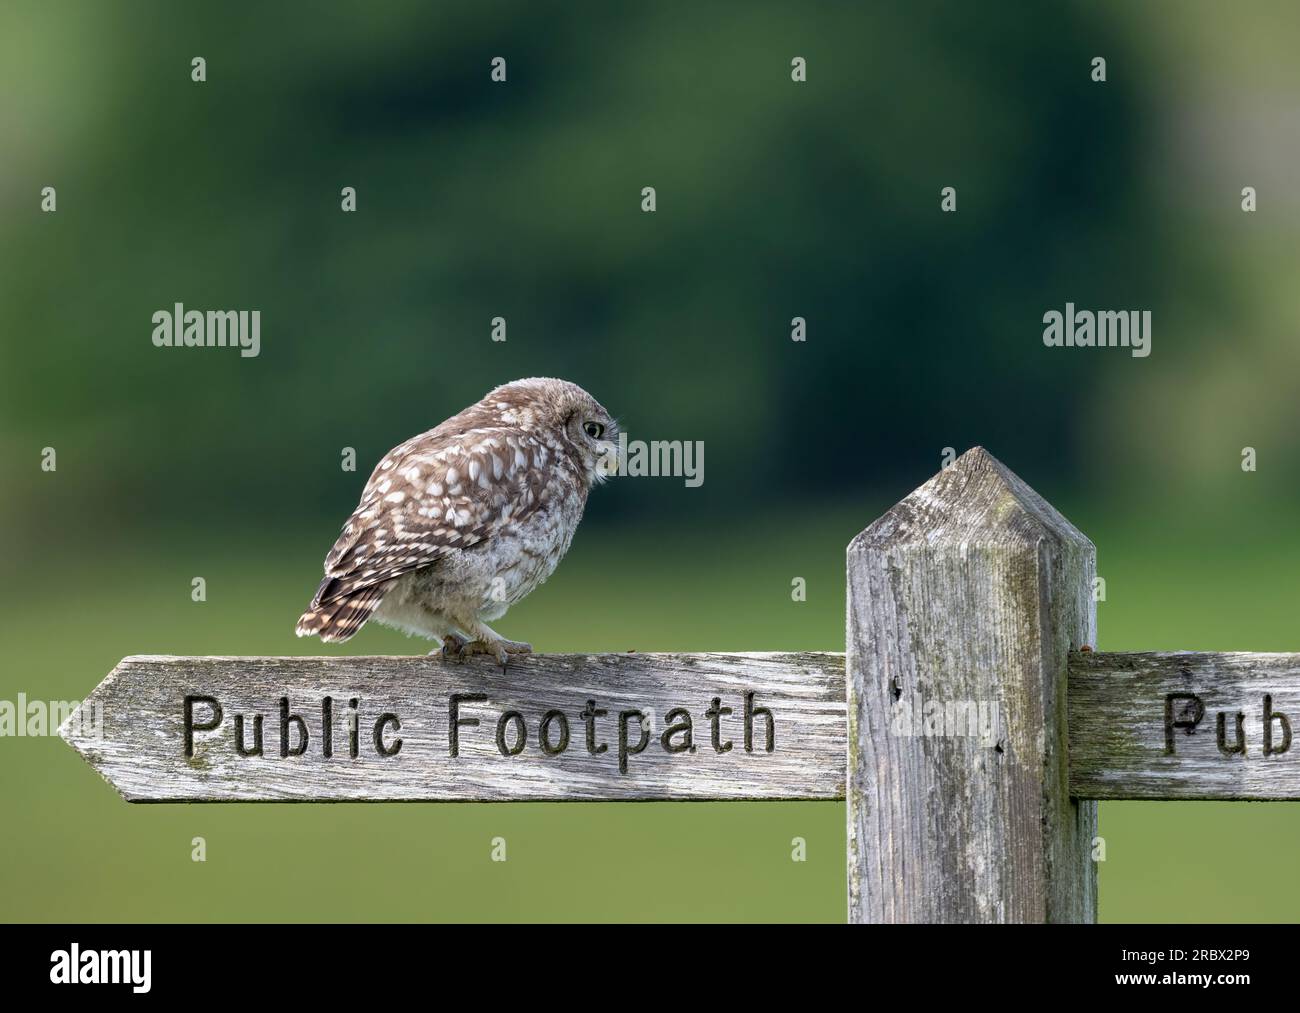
[(522, 200)]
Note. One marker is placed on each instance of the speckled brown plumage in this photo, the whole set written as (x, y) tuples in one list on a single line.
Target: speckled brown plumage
[(459, 523)]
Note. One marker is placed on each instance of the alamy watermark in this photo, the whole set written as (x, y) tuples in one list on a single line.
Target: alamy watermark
[(1102, 329), (657, 459), (23, 718), (75, 966), (182, 328), (971, 719)]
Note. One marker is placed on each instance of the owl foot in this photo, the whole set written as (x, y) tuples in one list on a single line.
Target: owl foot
[(499, 648), (457, 648), (504, 648)]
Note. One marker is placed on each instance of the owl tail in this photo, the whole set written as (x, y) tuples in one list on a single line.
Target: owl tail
[(341, 616)]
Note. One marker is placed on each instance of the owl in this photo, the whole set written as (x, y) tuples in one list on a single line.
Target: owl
[(459, 523)]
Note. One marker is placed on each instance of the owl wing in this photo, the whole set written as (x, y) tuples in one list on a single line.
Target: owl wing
[(432, 494)]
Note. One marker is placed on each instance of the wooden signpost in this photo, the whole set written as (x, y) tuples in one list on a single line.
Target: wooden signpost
[(969, 725), (550, 728), (1184, 726)]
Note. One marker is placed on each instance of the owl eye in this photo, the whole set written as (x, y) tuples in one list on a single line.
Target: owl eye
[(594, 429)]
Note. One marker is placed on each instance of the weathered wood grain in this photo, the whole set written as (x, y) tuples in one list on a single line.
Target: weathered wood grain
[(1147, 726), (968, 594), (140, 748)]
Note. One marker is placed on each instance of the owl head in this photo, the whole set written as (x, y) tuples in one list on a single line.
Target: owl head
[(568, 412)]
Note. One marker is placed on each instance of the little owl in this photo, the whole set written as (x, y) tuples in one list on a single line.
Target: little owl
[(457, 524)]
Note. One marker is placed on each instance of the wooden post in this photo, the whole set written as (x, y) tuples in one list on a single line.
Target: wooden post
[(964, 601)]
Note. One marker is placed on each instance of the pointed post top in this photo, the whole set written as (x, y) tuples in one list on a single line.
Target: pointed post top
[(968, 594), (975, 499)]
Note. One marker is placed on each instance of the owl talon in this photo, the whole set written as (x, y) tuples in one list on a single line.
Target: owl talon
[(454, 648), (505, 648)]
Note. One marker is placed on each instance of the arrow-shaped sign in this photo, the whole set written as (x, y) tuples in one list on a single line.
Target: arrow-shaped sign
[(549, 727)]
